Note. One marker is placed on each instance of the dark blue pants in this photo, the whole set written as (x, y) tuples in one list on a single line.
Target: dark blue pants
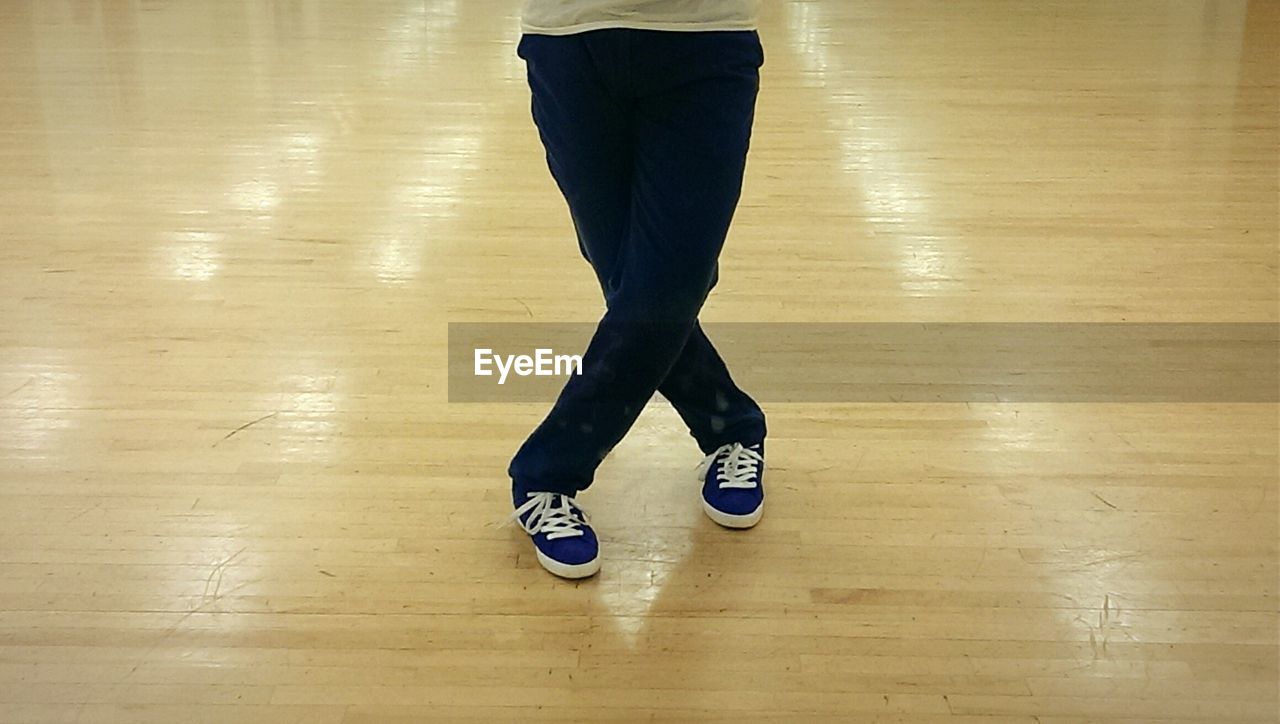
[(646, 134)]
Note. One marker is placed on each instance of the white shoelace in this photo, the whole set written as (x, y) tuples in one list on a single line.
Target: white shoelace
[(739, 466), (557, 521)]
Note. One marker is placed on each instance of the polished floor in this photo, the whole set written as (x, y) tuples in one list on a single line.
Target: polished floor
[(232, 488)]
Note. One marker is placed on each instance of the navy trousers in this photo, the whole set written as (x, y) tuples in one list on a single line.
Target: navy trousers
[(646, 134)]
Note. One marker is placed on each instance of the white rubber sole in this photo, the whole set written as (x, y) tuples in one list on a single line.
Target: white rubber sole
[(733, 521), (565, 570)]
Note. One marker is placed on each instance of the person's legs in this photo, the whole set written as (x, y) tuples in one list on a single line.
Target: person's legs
[(690, 99), (584, 120)]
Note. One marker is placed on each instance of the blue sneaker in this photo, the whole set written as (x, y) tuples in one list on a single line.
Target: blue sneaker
[(561, 533), (733, 485)]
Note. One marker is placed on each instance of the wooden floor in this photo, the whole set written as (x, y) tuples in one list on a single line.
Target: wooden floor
[(232, 489)]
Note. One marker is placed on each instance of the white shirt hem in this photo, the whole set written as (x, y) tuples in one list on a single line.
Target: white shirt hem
[(638, 25)]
